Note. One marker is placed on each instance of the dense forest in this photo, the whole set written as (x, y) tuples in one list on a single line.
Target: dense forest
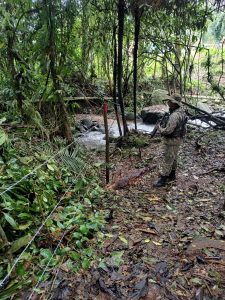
[(79, 217)]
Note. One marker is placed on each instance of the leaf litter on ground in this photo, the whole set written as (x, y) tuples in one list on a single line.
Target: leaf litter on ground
[(167, 243)]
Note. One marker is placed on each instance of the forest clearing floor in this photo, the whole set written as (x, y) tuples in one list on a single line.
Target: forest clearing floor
[(166, 243)]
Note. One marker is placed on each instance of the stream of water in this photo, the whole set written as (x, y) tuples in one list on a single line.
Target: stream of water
[(96, 139)]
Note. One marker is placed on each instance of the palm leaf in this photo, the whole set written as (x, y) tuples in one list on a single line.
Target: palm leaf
[(73, 160)]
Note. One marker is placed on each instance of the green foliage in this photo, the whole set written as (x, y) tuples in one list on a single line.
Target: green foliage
[(76, 38), (72, 160), (33, 117), (217, 28), (21, 242), (83, 45), (214, 70), (26, 206), (158, 96), (3, 137), (131, 140)]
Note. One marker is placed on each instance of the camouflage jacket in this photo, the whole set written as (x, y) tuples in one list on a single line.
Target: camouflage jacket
[(176, 125)]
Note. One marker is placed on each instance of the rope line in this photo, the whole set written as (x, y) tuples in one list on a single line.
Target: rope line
[(2, 282), (32, 239), (39, 229), (53, 254), (35, 169), (45, 269)]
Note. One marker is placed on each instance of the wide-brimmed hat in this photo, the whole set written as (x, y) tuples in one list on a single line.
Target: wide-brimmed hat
[(174, 98)]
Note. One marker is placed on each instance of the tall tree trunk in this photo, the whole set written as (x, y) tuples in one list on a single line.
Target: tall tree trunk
[(167, 77), (135, 61), (84, 36), (121, 13), (64, 125), (163, 68), (15, 80), (178, 69), (155, 66), (115, 102)]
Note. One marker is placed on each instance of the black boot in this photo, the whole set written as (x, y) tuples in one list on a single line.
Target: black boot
[(161, 181), (172, 175)]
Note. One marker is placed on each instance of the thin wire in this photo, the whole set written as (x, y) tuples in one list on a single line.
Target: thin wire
[(56, 271), (35, 169), (49, 263), (32, 239), (45, 269), (38, 231), (47, 218)]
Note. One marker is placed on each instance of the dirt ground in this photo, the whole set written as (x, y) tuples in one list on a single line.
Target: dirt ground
[(166, 243)]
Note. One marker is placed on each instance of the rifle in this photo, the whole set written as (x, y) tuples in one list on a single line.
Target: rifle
[(161, 122)]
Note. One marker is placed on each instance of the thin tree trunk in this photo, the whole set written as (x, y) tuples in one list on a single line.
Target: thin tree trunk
[(15, 80), (163, 68), (64, 125), (84, 45), (135, 61), (115, 102), (121, 12), (108, 73), (105, 111), (154, 71), (178, 72), (167, 77)]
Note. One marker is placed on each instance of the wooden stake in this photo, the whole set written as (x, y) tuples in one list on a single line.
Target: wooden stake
[(105, 110)]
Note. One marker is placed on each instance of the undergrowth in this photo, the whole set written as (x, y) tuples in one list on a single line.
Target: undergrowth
[(67, 237)]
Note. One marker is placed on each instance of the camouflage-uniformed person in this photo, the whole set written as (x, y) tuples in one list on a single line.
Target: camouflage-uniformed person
[(173, 133)]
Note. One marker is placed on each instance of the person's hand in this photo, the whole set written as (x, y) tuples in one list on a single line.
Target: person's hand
[(159, 128), (157, 124)]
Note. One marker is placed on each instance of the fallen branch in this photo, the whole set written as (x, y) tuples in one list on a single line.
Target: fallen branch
[(129, 179), (216, 120), (204, 97), (15, 126), (201, 243), (86, 98), (217, 169), (216, 262)]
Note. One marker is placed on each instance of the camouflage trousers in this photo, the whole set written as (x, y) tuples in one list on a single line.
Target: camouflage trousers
[(170, 151)]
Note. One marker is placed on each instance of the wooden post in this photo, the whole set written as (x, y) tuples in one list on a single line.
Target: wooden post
[(105, 110)]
